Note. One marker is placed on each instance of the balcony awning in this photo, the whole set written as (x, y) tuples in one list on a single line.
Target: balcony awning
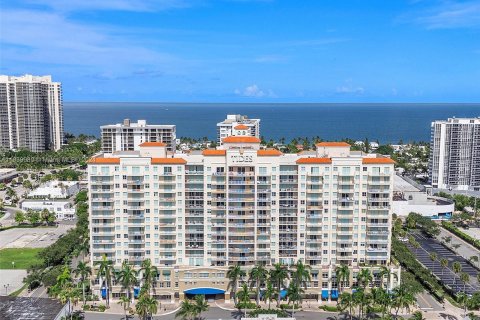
[(204, 291), (324, 294), (334, 294)]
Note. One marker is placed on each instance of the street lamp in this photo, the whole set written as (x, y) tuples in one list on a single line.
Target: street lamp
[(13, 264), (6, 288)]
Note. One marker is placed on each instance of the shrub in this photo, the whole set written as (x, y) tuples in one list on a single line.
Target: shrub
[(102, 307), (246, 305), (450, 227), (289, 306), (86, 307), (279, 313), (329, 308)]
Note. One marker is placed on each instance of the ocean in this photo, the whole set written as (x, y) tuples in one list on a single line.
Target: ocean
[(386, 123)]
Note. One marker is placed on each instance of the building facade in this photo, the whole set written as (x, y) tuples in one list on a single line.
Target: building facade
[(31, 113), (237, 125), (194, 215), (127, 136), (455, 154)]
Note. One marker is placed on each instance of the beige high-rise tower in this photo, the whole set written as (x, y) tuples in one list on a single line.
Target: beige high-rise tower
[(31, 113)]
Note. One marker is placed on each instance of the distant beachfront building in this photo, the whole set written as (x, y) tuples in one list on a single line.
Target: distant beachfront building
[(31, 113), (127, 136), (237, 125), (194, 215), (455, 154)]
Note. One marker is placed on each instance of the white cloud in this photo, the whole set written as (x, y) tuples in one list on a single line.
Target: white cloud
[(451, 14), (348, 89), (114, 5), (254, 91)]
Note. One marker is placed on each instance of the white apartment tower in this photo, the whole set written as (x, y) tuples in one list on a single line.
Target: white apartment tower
[(237, 125), (455, 154), (31, 113), (196, 214), (127, 136)]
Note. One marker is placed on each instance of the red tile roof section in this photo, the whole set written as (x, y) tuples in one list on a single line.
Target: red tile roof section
[(241, 127), (314, 161), (168, 161), (332, 144), (213, 152), (102, 160), (269, 153), (152, 144), (241, 139), (377, 161)]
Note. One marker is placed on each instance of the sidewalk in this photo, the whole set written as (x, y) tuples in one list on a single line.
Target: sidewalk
[(115, 308)]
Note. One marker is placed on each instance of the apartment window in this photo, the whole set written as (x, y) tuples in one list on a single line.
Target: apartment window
[(167, 170), (262, 170)]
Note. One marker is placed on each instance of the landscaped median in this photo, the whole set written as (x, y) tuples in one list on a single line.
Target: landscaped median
[(23, 258), (462, 235)]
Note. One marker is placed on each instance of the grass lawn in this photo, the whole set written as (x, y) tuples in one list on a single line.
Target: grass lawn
[(23, 257)]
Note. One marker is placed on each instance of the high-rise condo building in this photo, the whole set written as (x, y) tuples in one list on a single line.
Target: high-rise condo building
[(237, 125), (127, 136), (31, 113), (455, 154), (194, 215)]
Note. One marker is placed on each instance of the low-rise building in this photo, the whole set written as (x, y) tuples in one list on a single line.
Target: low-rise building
[(7, 174), (55, 190), (63, 209), (237, 125), (411, 197)]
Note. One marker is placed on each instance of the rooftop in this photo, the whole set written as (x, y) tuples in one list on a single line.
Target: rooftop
[(399, 184), (332, 144), (16, 308)]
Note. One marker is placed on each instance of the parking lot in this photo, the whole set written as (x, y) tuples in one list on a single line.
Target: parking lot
[(40, 237), (447, 276)]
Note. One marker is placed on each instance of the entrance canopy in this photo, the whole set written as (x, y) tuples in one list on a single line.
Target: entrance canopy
[(204, 291)]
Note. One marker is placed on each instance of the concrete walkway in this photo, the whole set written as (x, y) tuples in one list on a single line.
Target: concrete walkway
[(466, 250)]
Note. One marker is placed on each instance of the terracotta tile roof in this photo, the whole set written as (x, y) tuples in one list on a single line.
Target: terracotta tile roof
[(314, 160), (213, 152), (382, 160), (241, 139), (168, 161), (102, 160), (152, 144), (241, 127), (332, 144), (269, 153)]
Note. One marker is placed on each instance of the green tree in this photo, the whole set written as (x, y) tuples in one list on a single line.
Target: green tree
[(127, 276), (33, 217), (443, 264), (269, 293), (343, 275), (417, 315), (462, 298), (19, 217), (402, 299), (278, 275), (146, 307), (124, 301), (149, 275), (457, 268), (294, 294), (83, 271), (364, 277), (346, 302), (200, 305), (301, 274), (257, 276), (465, 278), (186, 310), (385, 272), (234, 274), (105, 271)]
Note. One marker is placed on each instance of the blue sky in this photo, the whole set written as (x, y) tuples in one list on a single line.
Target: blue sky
[(247, 50)]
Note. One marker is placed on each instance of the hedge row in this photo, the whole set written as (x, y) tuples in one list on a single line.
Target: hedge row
[(471, 240)]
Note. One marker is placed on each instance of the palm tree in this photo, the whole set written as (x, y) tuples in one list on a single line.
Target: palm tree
[(457, 268), (383, 298), (105, 270), (362, 299), (269, 293), (364, 277), (465, 278), (149, 275), (386, 272), (444, 264), (127, 276), (200, 305), (83, 271), (474, 259), (346, 302), (278, 275), (294, 294), (402, 298), (234, 274), (258, 275), (416, 246), (186, 310), (456, 246), (244, 296), (146, 306), (433, 256), (343, 274), (125, 303), (462, 298), (301, 276)]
